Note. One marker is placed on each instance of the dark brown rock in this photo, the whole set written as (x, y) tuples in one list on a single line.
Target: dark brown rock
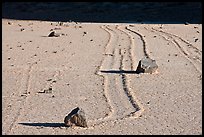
[(146, 65), (76, 117)]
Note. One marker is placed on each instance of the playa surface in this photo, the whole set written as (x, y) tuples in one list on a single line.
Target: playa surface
[(92, 66)]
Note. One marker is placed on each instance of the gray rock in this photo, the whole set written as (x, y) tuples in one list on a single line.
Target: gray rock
[(146, 65), (76, 117)]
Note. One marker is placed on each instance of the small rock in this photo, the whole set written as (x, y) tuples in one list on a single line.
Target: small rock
[(9, 23), (53, 34), (196, 40), (49, 79), (61, 23), (22, 29), (146, 65), (91, 40), (76, 117)]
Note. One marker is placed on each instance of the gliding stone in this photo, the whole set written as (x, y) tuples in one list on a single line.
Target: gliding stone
[(76, 117), (146, 65)]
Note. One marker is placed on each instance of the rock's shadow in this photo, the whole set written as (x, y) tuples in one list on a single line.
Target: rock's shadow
[(119, 71), (44, 124)]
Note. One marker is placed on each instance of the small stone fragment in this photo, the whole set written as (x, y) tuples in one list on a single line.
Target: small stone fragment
[(22, 29), (146, 65), (76, 117), (196, 39), (53, 34)]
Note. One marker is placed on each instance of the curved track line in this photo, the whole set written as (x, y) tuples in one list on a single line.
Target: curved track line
[(177, 45), (188, 43), (130, 51), (143, 41), (116, 85), (25, 84)]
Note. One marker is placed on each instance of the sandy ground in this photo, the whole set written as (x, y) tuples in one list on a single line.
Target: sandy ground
[(92, 65)]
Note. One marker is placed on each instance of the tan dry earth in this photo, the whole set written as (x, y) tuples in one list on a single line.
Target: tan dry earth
[(92, 66)]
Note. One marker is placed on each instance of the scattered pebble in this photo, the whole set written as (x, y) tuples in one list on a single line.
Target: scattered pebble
[(196, 39), (9, 23), (54, 52), (91, 40), (9, 58), (61, 23), (49, 79), (22, 29), (54, 81)]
